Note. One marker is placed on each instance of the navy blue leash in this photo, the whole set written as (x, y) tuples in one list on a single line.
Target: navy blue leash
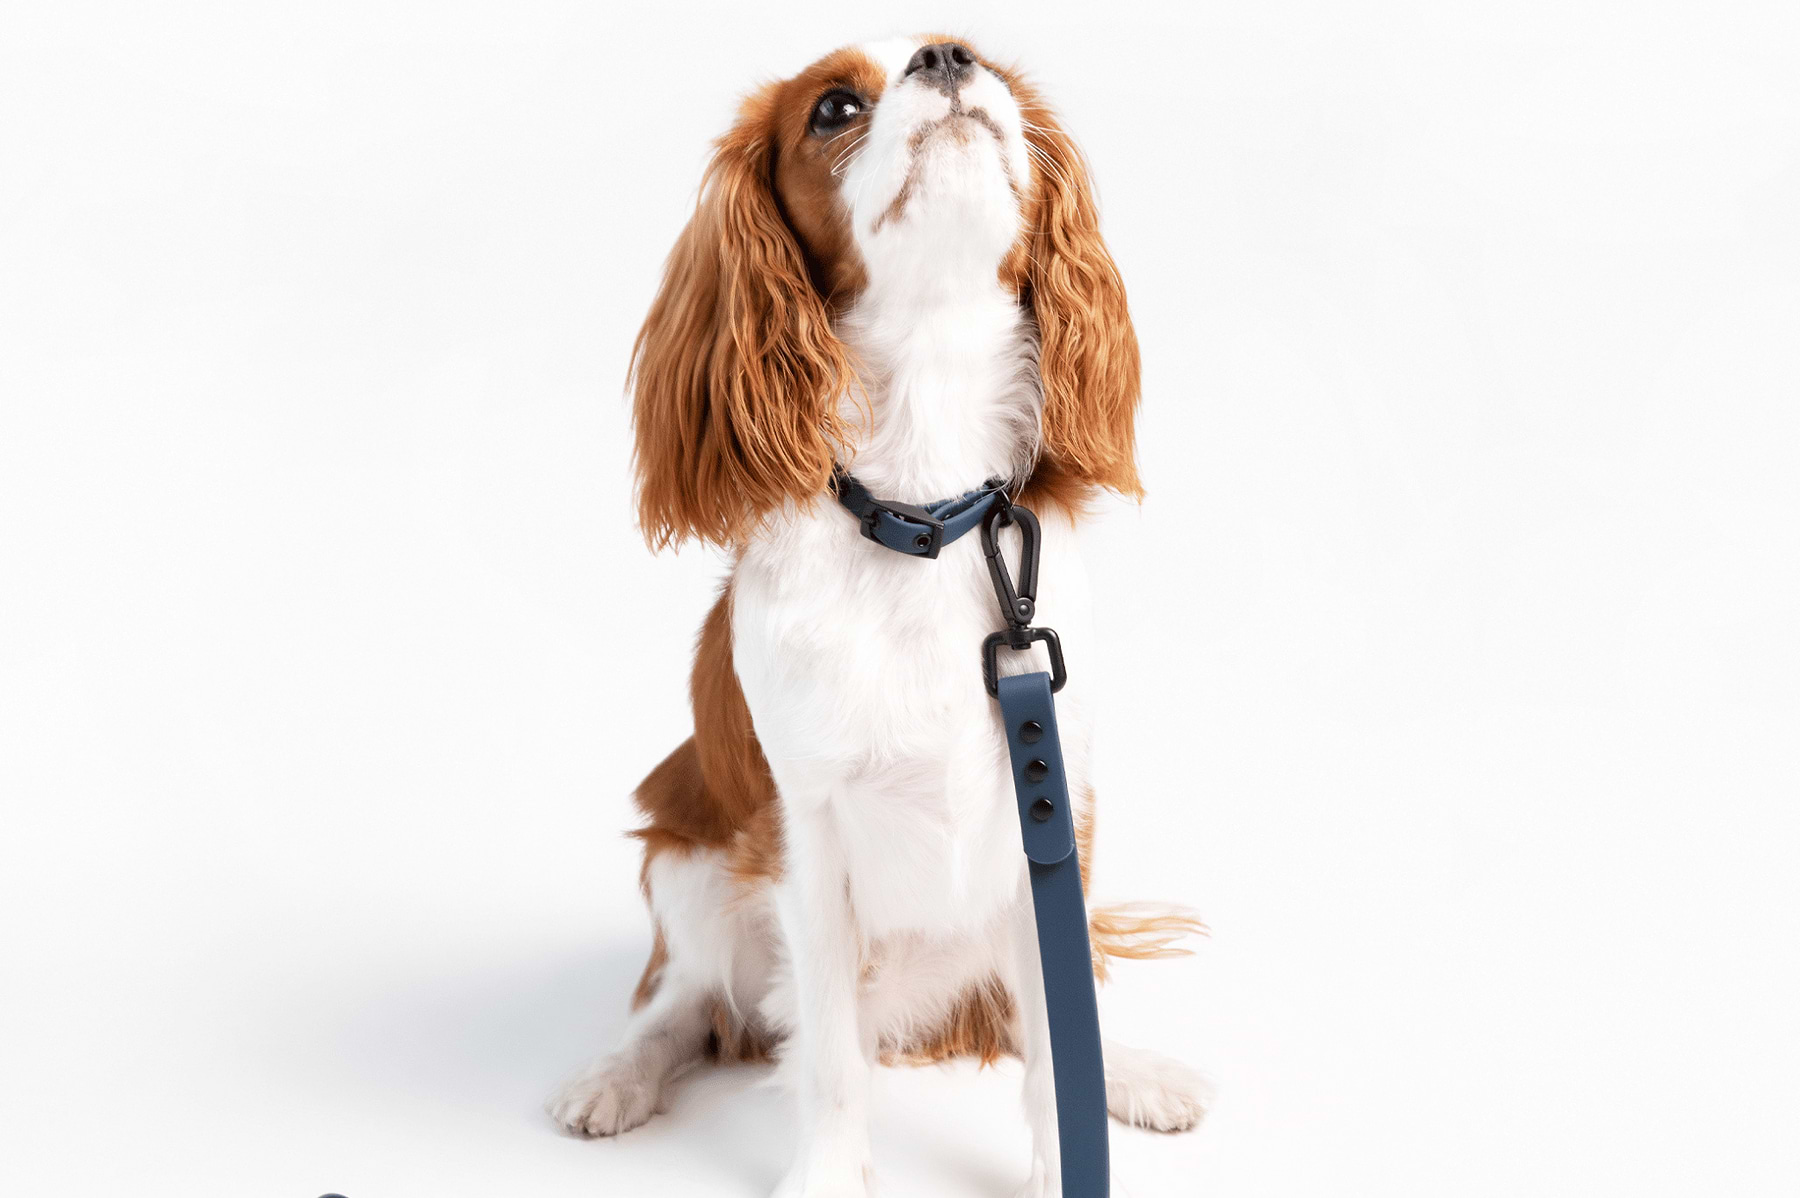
[(1046, 818)]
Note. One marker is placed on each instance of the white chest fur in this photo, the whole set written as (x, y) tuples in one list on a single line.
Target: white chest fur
[(862, 668)]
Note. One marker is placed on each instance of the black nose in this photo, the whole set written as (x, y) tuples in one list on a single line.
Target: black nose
[(946, 64)]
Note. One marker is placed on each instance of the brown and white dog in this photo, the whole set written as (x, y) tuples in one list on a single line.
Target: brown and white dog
[(896, 266)]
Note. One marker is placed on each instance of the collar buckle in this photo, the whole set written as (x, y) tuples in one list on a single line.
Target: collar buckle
[(927, 539)]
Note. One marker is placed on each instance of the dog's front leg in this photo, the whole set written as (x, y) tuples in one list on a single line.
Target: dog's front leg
[(1027, 985), (826, 1052)]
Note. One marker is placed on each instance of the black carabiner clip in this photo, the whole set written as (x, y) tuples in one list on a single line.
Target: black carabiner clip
[(1019, 604)]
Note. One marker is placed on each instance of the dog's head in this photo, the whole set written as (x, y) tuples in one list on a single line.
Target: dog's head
[(895, 174)]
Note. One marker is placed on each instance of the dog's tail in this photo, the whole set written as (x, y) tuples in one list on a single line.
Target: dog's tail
[(1140, 932)]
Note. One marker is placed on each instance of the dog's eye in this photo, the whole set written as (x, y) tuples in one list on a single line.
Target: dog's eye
[(835, 110)]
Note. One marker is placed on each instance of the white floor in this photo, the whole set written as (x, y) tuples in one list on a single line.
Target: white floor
[(370, 993), (294, 1047)]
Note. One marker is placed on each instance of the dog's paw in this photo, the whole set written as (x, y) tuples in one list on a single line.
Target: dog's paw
[(1146, 1089), (610, 1098)]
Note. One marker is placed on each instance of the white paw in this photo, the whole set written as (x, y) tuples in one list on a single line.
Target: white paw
[(612, 1097), (1146, 1089)]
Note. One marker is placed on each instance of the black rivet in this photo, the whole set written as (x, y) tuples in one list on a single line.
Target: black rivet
[(923, 540), (1036, 771), (1042, 810), (1031, 732)]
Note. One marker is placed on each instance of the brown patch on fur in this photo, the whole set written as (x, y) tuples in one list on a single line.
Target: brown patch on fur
[(1088, 351), (714, 792), (755, 855), (646, 987), (732, 1039), (733, 772), (979, 1026), (682, 815)]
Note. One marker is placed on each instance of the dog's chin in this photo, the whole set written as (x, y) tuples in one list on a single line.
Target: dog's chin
[(955, 128), (956, 197), (960, 145)]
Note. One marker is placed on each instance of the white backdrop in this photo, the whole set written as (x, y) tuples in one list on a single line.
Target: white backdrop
[(1452, 660)]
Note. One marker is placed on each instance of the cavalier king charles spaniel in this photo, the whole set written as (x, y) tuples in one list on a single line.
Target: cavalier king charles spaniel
[(895, 267)]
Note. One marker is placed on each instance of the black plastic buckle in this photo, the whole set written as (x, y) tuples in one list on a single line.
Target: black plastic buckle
[(925, 543), (1022, 638)]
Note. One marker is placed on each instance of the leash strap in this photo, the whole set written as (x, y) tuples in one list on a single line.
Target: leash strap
[(1047, 824), (910, 529)]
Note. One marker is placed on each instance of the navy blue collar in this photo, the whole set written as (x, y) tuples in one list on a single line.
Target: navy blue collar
[(917, 531)]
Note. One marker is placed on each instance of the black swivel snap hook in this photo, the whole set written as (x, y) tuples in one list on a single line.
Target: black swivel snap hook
[(1017, 603)]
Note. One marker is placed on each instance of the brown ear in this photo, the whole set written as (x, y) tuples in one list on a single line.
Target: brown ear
[(1088, 351), (736, 371)]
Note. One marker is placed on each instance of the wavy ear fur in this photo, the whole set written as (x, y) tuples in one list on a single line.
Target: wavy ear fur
[(1088, 351), (736, 373)]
